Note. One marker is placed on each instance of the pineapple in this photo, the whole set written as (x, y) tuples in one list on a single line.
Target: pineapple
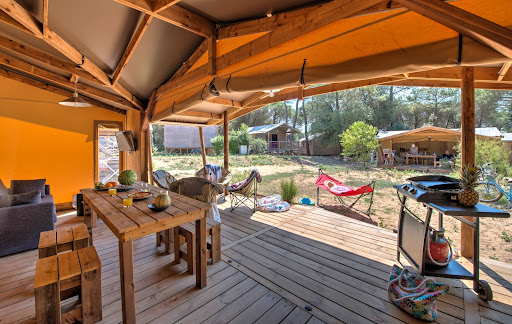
[(469, 180)]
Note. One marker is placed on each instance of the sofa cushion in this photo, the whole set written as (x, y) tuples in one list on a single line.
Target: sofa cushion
[(33, 197), (3, 189), (22, 186)]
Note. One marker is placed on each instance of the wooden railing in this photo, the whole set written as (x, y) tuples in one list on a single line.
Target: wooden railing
[(283, 146)]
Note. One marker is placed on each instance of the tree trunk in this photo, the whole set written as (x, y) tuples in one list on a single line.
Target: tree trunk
[(296, 113), (306, 128), (337, 101), (285, 112)]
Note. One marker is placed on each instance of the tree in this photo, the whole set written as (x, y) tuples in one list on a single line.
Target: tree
[(308, 152), (359, 141)]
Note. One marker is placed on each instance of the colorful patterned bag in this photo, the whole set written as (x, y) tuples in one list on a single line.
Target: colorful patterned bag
[(415, 294)]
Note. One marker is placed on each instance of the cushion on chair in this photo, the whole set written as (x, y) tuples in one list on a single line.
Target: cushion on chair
[(22, 186), (3, 189), (33, 197)]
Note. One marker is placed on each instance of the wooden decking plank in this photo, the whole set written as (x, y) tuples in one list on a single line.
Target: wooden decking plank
[(297, 316), (242, 255), (218, 303), (373, 308), (277, 313), (315, 320), (232, 310), (256, 310), (170, 312)]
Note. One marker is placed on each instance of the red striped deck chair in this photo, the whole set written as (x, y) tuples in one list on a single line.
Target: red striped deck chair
[(341, 192)]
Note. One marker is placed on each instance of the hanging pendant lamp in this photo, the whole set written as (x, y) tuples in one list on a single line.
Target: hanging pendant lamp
[(75, 101)]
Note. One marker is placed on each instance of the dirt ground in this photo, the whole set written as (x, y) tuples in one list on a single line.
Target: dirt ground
[(494, 232)]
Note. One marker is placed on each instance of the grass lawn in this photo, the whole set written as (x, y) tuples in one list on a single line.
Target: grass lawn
[(494, 232)]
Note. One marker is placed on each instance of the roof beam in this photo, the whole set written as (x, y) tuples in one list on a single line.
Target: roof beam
[(45, 18), (159, 5), (41, 85), (225, 102), (200, 114), (10, 21), (175, 15), (137, 36), (168, 122), (20, 66), (252, 98), (267, 24), (16, 11), (200, 50), (148, 113), (449, 84), (212, 55), (503, 71), (315, 19), (477, 28), (46, 58)]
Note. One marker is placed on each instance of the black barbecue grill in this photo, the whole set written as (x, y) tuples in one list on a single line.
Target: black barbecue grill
[(439, 193)]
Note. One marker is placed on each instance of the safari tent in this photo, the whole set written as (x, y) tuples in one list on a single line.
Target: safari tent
[(200, 63), (279, 137)]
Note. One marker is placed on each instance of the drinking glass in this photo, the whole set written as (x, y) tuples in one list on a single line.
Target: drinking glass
[(112, 191), (145, 187), (127, 201)]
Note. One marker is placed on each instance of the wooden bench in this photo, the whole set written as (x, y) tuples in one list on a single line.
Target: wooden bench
[(63, 239), (188, 233), (64, 276)]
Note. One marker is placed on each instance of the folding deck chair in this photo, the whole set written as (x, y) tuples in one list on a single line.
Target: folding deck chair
[(243, 192), (340, 190)]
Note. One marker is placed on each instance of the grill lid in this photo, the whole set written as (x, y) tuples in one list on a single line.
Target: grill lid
[(436, 182)]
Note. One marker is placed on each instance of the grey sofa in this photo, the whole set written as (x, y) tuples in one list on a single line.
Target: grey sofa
[(20, 225)]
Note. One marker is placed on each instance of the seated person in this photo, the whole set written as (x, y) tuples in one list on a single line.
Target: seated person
[(414, 151), (447, 155)]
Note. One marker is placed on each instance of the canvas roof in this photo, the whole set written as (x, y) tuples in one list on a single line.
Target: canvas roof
[(507, 137), (438, 133), (190, 61)]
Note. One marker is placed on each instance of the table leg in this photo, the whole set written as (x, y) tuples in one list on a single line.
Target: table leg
[(201, 252), (126, 276), (88, 221), (407, 160)]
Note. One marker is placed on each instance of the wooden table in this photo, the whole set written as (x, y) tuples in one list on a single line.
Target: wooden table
[(420, 156), (138, 221)]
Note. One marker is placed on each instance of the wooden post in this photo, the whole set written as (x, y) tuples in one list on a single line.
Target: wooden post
[(390, 153), (468, 146), (226, 141), (201, 141)]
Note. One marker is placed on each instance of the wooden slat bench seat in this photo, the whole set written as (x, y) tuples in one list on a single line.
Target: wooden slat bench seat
[(63, 239), (66, 275), (187, 232)]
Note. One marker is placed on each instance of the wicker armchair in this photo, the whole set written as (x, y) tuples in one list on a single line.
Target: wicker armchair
[(197, 188), (223, 181), (163, 179)]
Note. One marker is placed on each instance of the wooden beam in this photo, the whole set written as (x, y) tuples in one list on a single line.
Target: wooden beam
[(225, 102), (45, 18), (252, 98), (212, 55), (198, 53), (46, 58), (170, 122), (467, 128), (201, 142), (315, 19), (65, 93), (200, 114), (12, 22), (226, 141), (23, 67), (22, 16), (148, 115), (267, 24), (449, 84), (175, 15), (159, 5), (16, 11), (137, 36), (503, 70), (475, 27)]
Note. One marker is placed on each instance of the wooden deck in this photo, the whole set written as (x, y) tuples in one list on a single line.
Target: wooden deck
[(273, 265)]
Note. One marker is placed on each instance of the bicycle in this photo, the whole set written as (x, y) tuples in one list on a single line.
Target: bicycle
[(489, 189)]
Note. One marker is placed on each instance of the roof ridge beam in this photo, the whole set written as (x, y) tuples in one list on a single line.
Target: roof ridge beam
[(24, 17), (130, 49), (175, 15), (315, 19), (159, 5), (475, 27)]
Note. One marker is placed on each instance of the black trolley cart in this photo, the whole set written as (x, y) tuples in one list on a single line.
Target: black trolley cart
[(438, 193)]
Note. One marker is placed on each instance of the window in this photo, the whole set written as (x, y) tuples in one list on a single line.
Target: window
[(107, 158)]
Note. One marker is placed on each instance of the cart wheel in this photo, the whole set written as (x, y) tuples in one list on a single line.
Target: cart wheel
[(484, 290)]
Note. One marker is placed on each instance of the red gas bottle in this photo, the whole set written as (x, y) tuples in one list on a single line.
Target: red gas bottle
[(438, 251)]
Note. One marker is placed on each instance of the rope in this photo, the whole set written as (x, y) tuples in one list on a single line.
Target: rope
[(399, 280), (461, 43)]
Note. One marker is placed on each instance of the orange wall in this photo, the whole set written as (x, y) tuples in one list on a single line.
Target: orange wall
[(41, 139)]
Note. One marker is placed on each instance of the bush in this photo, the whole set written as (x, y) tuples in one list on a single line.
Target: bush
[(258, 146), (289, 190), (489, 150), (238, 176), (218, 144), (359, 141)]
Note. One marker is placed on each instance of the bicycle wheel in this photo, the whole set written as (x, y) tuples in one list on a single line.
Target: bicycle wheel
[(488, 192)]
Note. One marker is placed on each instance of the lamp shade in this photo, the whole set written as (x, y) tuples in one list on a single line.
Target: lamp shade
[(75, 101)]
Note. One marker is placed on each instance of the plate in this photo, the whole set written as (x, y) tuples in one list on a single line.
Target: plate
[(140, 195), (154, 208)]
